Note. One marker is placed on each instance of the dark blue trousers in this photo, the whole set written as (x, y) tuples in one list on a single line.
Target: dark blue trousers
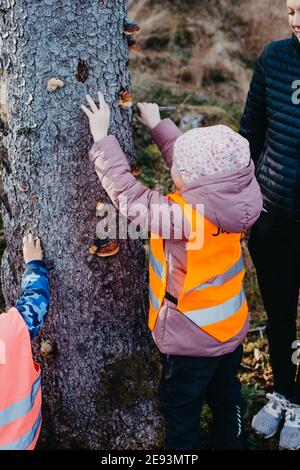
[(275, 250), (186, 382)]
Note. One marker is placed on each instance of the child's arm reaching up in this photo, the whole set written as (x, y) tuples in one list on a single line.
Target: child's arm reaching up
[(134, 200), (33, 302), (164, 132)]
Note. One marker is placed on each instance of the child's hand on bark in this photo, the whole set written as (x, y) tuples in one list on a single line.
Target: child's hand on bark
[(32, 248), (98, 117), (149, 114)]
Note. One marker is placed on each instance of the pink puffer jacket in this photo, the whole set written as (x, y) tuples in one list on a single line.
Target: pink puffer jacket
[(231, 201)]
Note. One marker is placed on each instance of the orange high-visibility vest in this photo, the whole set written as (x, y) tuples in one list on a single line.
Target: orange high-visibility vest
[(212, 296), (20, 385)]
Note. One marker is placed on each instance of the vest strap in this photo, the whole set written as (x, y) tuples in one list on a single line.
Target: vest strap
[(171, 298)]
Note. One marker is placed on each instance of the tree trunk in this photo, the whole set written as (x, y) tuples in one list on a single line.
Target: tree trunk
[(99, 387)]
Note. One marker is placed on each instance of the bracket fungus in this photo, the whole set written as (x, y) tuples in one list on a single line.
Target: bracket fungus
[(54, 83), (125, 99), (99, 206), (104, 248), (131, 27), (133, 45), (136, 171), (47, 349)]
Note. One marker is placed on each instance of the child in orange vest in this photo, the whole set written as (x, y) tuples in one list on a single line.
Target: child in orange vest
[(20, 375), (198, 312)]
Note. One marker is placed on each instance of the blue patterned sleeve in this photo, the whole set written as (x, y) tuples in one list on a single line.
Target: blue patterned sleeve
[(33, 303)]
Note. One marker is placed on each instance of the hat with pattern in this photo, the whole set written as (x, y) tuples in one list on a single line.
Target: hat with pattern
[(205, 151)]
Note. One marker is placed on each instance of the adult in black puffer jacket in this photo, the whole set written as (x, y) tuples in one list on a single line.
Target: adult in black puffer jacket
[(271, 123)]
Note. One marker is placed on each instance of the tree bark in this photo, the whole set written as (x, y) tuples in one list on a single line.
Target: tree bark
[(99, 387)]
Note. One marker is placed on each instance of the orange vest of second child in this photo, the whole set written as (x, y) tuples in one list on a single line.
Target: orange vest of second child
[(212, 296), (20, 385)]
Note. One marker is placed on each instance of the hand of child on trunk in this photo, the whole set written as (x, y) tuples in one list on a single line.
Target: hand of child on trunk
[(32, 250), (149, 114), (98, 117)]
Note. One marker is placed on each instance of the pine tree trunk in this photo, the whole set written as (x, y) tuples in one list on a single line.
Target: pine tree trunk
[(99, 387)]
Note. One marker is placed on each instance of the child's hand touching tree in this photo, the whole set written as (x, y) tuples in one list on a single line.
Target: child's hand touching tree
[(149, 114), (32, 250), (99, 117)]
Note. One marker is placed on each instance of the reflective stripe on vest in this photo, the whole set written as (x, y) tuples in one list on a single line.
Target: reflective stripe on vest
[(20, 390), (155, 301), (156, 265), (25, 441), (237, 268), (20, 408), (212, 295), (217, 313), (157, 276)]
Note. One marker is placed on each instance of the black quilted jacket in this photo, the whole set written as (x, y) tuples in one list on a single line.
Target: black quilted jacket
[(271, 123)]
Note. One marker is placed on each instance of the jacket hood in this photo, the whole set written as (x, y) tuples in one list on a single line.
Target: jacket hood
[(232, 200)]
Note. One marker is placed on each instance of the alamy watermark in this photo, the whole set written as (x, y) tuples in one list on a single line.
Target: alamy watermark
[(296, 94), (137, 220), (296, 354)]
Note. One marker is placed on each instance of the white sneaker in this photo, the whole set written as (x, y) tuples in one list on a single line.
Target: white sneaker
[(267, 420), (290, 433)]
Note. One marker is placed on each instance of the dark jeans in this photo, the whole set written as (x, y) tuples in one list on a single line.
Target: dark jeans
[(274, 246), (186, 382)]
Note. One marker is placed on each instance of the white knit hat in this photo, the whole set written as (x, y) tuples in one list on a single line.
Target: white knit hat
[(206, 151)]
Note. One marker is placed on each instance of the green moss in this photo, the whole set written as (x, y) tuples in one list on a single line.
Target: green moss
[(130, 380)]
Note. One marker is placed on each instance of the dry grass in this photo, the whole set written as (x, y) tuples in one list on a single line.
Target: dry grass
[(206, 46)]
